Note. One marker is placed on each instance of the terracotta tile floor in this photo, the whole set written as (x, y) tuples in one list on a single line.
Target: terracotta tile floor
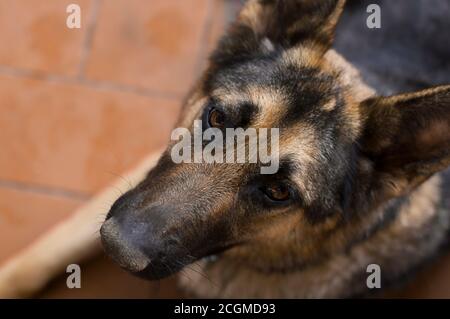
[(154, 45), (34, 36), (79, 106)]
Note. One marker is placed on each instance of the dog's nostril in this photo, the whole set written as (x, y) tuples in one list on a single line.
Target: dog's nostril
[(172, 242)]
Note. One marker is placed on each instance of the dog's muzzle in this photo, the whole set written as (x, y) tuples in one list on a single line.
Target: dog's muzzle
[(144, 241)]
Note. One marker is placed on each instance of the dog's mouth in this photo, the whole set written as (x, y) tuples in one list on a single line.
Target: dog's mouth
[(160, 269)]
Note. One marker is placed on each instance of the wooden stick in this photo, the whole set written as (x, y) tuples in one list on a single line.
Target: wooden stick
[(70, 241)]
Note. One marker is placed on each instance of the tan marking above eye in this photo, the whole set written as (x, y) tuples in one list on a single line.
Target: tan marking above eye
[(330, 105), (269, 101)]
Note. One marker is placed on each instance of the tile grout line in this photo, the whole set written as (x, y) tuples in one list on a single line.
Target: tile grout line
[(80, 78), (98, 85), (44, 190), (88, 42)]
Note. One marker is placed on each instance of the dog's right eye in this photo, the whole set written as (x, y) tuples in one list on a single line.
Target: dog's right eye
[(216, 118), (277, 193)]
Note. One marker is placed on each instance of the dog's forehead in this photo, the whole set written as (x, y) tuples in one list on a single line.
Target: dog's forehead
[(225, 84), (281, 88)]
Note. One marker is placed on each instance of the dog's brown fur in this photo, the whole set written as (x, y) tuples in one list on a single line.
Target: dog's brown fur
[(360, 166)]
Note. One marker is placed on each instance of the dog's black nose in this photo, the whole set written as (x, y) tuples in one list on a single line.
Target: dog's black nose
[(121, 249), (140, 238)]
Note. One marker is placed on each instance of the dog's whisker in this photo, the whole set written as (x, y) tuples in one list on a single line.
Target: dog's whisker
[(123, 178)]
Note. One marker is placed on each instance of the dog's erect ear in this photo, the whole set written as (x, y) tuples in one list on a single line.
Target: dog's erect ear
[(263, 24), (310, 22), (407, 138)]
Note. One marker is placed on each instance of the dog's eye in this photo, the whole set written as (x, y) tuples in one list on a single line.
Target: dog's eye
[(216, 119), (278, 192)]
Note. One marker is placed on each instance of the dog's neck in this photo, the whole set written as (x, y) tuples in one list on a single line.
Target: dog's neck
[(344, 273)]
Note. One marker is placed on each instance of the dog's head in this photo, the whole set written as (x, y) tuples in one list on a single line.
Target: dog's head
[(339, 158)]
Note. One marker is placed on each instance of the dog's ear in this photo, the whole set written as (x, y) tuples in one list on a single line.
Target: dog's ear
[(406, 139), (265, 24)]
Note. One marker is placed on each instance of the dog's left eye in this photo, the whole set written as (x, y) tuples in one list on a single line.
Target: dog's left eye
[(278, 192), (216, 118)]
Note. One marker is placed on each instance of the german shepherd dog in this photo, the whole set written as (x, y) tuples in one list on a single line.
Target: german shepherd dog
[(360, 181)]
